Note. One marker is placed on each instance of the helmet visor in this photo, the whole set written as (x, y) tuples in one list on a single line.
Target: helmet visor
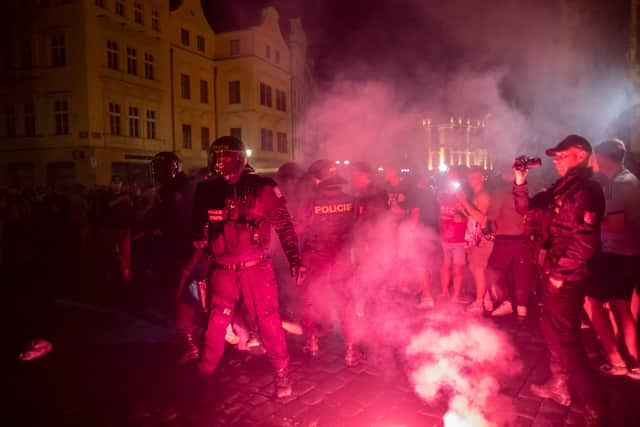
[(228, 163)]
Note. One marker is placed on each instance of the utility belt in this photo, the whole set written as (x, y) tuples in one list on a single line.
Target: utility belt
[(239, 266)]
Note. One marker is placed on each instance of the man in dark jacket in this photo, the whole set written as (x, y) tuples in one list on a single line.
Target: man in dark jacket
[(233, 213), (573, 208)]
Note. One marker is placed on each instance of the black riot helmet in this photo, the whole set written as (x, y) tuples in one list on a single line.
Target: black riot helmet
[(165, 166), (325, 172), (227, 158)]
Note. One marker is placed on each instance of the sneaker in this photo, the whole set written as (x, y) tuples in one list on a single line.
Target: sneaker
[(230, 336), (556, 389), (282, 383), (488, 303), (311, 346), (253, 341), (426, 303), (476, 307), (503, 309), (634, 373), (352, 356), (35, 349), (521, 310), (614, 370)]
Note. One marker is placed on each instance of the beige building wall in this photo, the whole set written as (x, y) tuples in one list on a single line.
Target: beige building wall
[(191, 55), (87, 148), (255, 56)]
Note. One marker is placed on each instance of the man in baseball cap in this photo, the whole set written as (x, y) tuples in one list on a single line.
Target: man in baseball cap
[(572, 151)]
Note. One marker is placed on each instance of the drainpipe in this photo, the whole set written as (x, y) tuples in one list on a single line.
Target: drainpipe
[(215, 101), (173, 109)]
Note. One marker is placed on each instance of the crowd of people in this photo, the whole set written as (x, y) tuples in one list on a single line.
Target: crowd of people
[(353, 239)]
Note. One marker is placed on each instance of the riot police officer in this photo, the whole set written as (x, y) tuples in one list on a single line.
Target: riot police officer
[(233, 213), (169, 225), (328, 223), (572, 209)]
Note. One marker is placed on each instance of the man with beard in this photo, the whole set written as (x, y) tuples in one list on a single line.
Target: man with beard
[(573, 206)]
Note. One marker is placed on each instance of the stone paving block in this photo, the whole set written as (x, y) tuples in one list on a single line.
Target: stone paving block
[(350, 408), (264, 410), (314, 397), (256, 399), (331, 384), (549, 407), (302, 387), (526, 407)]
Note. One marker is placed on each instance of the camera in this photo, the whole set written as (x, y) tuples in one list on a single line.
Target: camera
[(523, 163), (455, 185)]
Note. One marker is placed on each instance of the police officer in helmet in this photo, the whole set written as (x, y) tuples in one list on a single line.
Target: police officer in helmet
[(233, 214), (328, 226)]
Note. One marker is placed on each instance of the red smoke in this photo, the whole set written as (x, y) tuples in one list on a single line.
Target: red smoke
[(462, 359)]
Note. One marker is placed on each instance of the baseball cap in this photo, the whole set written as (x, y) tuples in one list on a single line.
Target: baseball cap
[(613, 148), (570, 141)]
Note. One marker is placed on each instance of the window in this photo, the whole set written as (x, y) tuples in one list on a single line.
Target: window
[(267, 51), (120, 7), (29, 120), (281, 139), (185, 86), (151, 124), (148, 66), (266, 139), (155, 20), (132, 62), (204, 91), (265, 95), (184, 37), (134, 122), (26, 54), (114, 118), (99, 3), (58, 51), (277, 56), (234, 92), (137, 13), (112, 54), (10, 120), (204, 138), (62, 117), (234, 47), (186, 136), (281, 100), (200, 43), (236, 133)]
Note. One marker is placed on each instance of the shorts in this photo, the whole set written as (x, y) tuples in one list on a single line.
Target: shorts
[(479, 255), (453, 253), (614, 276)]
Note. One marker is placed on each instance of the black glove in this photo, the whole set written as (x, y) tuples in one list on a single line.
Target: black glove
[(298, 272)]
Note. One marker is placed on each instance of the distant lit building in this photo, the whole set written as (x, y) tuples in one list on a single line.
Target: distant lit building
[(456, 142)]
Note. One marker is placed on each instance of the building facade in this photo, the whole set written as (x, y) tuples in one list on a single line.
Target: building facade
[(94, 88)]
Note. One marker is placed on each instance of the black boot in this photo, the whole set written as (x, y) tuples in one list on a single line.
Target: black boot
[(282, 383), (187, 349), (555, 388)]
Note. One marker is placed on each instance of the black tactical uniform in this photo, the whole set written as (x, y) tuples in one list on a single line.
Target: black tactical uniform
[(328, 223), (238, 209)]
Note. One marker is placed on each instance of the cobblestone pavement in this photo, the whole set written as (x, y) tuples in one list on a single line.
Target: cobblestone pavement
[(112, 369)]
